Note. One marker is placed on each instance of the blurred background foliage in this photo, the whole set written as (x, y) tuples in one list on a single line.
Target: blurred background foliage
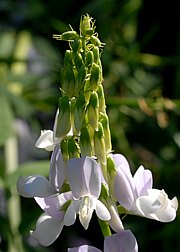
[(141, 62)]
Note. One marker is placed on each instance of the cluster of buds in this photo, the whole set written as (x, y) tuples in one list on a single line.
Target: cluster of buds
[(82, 111), (84, 174)]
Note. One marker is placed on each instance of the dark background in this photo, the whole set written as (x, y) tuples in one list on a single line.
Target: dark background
[(142, 86)]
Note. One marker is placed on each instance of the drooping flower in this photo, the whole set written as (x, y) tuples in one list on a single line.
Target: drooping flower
[(47, 194), (123, 241), (48, 139), (84, 176), (135, 193), (45, 141)]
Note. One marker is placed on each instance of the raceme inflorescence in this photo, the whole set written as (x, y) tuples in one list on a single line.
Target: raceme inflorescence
[(85, 176)]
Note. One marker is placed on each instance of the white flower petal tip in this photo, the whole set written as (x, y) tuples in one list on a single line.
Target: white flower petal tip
[(156, 205), (84, 248), (45, 141), (47, 230)]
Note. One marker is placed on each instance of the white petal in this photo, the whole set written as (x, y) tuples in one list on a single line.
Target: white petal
[(102, 211), (57, 168), (47, 229), (45, 141), (84, 248), (70, 215), (143, 180), (124, 189), (157, 206), (35, 186), (86, 209), (84, 177), (115, 221)]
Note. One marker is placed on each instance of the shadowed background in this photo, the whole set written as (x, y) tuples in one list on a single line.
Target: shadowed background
[(142, 86)]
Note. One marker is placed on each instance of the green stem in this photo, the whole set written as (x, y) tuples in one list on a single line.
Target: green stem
[(13, 202), (105, 228)]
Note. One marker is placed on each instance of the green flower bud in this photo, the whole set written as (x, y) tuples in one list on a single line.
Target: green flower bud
[(81, 78), (63, 124), (89, 58), (76, 45), (99, 144), (93, 110), (69, 35), (85, 142), (78, 60), (68, 58), (111, 173), (73, 148), (107, 135), (96, 54), (79, 111), (85, 25), (68, 81), (102, 103), (95, 77), (95, 41)]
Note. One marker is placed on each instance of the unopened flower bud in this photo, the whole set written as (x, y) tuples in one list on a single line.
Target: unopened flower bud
[(107, 135), (95, 41), (111, 173), (93, 110), (99, 144), (63, 121), (69, 35), (95, 77), (89, 58), (85, 24), (78, 60), (79, 111), (73, 148), (96, 54), (68, 58), (85, 142), (81, 78), (76, 45), (102, 103), (68, 81)]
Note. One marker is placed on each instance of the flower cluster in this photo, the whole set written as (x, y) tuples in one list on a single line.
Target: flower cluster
[(85, 176)]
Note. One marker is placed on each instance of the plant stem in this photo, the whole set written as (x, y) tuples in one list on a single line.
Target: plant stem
[(13, 202), (105, 228)]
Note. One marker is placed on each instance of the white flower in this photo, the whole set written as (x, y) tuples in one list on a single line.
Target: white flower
[(84, 177), (137, 196)]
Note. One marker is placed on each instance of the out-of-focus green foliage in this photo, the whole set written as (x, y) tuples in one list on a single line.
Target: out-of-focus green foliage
[(141, 81)]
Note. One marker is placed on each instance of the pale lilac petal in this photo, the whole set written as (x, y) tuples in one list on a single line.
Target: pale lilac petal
[(124, 189), (143, 180), (47, 229), (102, 211), (84, 248), (45, 141), (84, 177), (115, 221), (35, 186), (70, 215), (57, 169), (51, 206), (120, 160), (123, 241)]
